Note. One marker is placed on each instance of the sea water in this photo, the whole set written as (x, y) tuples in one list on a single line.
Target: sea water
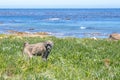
[(81, 23)]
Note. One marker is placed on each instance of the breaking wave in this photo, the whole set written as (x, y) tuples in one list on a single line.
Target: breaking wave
[(53, 19), (82, 27)]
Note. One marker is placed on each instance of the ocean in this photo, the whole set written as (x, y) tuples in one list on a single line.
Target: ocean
[(80, 23)]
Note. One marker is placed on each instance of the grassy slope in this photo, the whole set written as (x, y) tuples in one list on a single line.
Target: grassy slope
[(70, 59)]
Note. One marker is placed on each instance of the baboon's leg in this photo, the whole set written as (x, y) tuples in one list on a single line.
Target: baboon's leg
[(30, 55), (48, 49), (45, 55)]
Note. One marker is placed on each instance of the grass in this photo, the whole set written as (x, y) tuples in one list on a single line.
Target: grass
[(70, 59)]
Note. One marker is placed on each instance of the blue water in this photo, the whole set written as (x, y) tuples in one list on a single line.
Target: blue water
[(62, 22)]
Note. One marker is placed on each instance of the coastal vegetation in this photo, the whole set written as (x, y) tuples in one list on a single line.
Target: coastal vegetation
[(70, 59)]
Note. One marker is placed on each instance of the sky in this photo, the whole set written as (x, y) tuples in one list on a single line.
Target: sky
[(59, 3)]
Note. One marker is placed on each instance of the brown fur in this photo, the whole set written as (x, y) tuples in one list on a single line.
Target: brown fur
[(114, 36), (39, 49)]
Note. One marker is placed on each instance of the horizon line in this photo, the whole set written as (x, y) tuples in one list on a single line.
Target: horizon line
[(62, 8)]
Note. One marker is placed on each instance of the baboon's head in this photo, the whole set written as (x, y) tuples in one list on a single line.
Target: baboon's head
[(50, 43), (26, 44)]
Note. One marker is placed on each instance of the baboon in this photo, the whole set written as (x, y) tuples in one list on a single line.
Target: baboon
[(39, 49), (114, 36)]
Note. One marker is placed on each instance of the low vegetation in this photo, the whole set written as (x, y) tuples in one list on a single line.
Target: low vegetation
[(70, 59)]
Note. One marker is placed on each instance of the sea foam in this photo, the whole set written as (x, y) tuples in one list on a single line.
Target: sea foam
[(82, 27)]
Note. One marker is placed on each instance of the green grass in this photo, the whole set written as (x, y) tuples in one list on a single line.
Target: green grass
[(70, 59)]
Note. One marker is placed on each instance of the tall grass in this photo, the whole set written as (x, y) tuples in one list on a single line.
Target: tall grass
[(70, 59)]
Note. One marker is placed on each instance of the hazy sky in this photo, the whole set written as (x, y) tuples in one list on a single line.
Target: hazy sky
[(59, 3)]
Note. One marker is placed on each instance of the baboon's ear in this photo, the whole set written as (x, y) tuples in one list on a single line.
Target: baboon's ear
[(26, 43)]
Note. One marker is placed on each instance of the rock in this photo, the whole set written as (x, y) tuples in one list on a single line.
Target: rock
[(31, 29), (114, 36), (1, 22), (67, 18), (16, 32), (41, 33), (25, 34), (94, 38)]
